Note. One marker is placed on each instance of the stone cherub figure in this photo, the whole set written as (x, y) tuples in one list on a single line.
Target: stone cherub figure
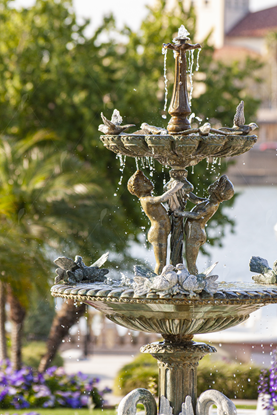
[(177, 202), (221, 190), (140, 186)]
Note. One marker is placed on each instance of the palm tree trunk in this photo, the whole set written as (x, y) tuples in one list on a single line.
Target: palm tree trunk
[(65, 318), (3, 341), (17, 315)]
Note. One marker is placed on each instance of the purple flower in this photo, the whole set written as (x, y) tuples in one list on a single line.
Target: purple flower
[(51, 370), (20, 388), (29, 413), (84, 399), (50, 403), (60, 371), (73, 402), (42, 391)]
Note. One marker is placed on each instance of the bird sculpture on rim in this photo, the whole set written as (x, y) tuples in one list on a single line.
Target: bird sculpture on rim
[(239, 127), (74, 272), (114, 126), (266, 275)]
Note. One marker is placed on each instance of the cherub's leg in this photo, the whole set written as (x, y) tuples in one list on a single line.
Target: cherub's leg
[(160, 251), (192, 250)]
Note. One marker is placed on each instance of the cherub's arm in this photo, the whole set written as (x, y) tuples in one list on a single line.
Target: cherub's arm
[(195, 199), (190, 215), (164, 197)]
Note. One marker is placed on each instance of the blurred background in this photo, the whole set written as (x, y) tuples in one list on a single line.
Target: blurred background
[(62, 63)]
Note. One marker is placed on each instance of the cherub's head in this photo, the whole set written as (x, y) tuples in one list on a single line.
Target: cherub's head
[(181, 176), (139, 185), (222, 189)]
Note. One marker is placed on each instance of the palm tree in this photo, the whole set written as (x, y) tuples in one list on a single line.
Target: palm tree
[(50, 202), (3, 343)]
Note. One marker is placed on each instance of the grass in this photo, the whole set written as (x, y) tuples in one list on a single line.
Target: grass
[(60, 411)]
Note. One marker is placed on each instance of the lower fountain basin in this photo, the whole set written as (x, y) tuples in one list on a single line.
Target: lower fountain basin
[(173, 315)]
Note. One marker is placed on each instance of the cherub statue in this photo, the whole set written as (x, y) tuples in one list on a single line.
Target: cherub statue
[(140, 186), (221, 190), (177, 203)]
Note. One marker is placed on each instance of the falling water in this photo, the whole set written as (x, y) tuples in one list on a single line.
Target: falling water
[(192, 169), (164, 52), (137, 163), (197, 60), (122, 161), (190, 72)]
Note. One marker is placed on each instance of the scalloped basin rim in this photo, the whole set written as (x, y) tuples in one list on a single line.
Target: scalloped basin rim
[(178, 150), (230, 306)]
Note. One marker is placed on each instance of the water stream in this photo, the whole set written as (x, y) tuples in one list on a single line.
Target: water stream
[(164, 52), (122, 161)]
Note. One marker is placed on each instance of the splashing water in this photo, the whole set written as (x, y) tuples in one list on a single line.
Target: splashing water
[(164, 52), (192, 116), (122, 161), (183, 33)]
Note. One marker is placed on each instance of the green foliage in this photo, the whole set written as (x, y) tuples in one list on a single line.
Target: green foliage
[(233, 379), (56, 78), (37, 324), (32, 353), (137, 374)]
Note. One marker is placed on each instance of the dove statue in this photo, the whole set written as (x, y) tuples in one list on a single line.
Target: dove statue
[(73, 272), (156, 283), (197, 283), (239, 126), (267, 275), (151, 129), (113, 127)]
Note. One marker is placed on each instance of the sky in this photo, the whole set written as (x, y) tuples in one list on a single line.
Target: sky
[(126, 11)]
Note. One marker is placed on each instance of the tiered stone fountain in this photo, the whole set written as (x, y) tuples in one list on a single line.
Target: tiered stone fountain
[(173, 301)]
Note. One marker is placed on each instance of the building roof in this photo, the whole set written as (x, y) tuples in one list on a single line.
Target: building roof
[(256, 24), (229, 53)]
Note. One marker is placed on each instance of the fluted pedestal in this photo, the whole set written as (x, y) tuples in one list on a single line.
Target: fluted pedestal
[(177, 362)]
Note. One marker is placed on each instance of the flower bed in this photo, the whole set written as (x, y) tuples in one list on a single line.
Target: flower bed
[(27, 388)]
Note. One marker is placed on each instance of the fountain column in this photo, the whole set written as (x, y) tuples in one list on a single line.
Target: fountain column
[(178, 359), (179, 107)]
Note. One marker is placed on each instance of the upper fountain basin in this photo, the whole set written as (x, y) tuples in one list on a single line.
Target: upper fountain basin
[(173, 314), (179, 151)]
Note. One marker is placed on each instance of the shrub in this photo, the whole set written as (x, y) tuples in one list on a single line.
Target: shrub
[(33, 351), (137, 374), (27, 388), (235, 380)]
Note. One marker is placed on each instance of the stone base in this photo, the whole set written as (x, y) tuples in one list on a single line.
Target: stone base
[(177, 361)]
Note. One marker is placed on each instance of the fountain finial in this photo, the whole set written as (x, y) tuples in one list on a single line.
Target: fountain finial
[(179, 107)]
